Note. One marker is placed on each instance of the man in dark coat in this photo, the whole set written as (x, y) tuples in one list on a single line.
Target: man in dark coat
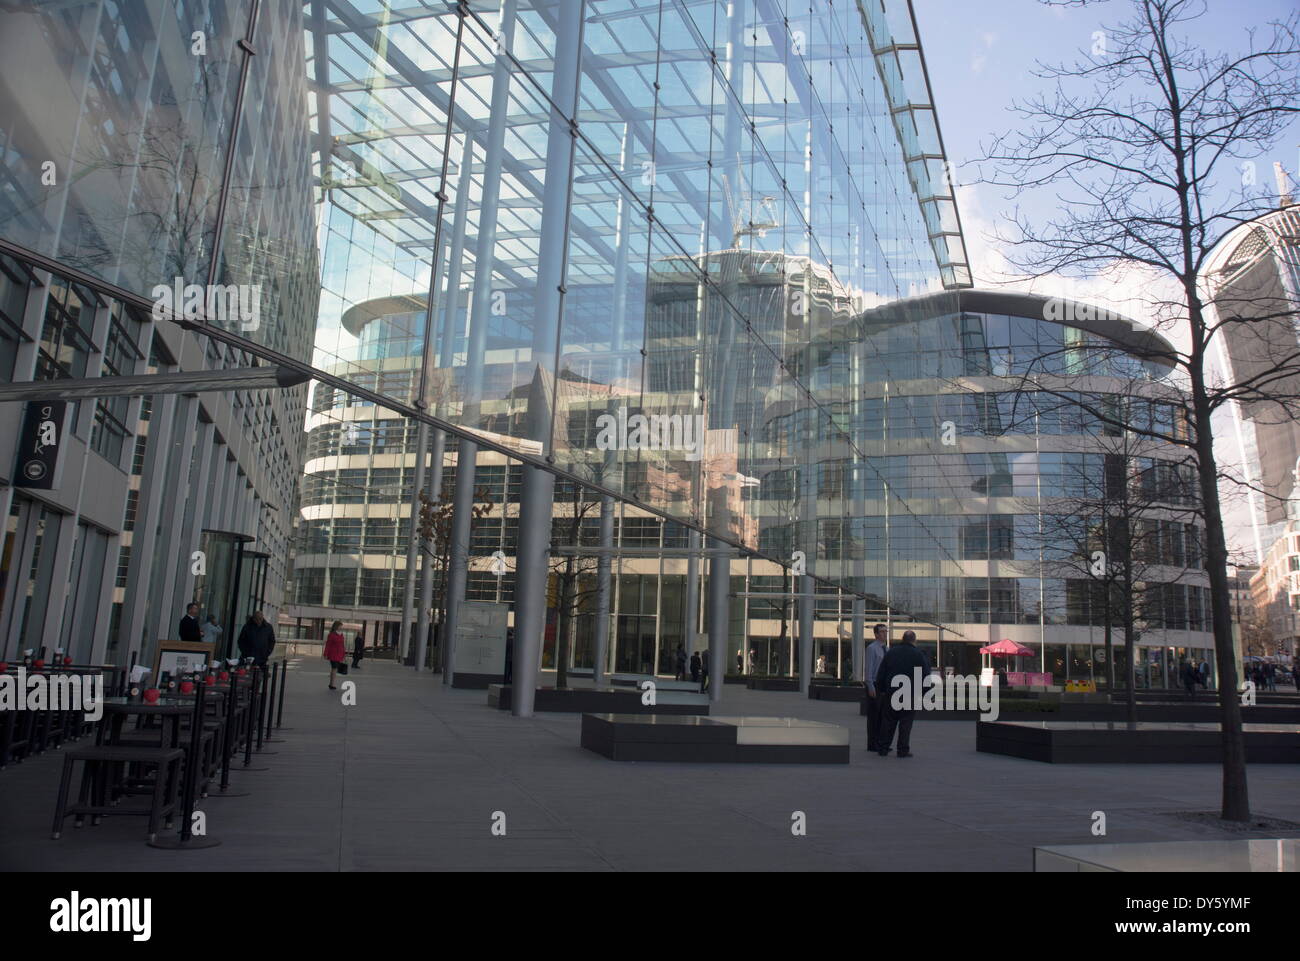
[(695, 667), (257, 639), (901, 660), (190, 630), (704, 671)]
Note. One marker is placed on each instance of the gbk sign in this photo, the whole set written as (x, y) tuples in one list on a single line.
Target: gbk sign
[(40, 444)]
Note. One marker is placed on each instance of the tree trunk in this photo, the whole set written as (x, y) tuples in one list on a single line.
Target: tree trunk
[(1110, 655), (1236, 799), (562, 625), (1130, 651)]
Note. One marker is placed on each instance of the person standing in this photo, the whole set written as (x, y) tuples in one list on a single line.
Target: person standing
[(212, 632), (358, 650), (875, 654), (257, 639), (901, 660), (189, 629), (695, 668), (335, 651)]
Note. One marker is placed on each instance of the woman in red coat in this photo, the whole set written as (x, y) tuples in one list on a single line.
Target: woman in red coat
[(334, 650)]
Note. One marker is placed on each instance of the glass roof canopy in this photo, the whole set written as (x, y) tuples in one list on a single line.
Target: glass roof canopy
[(383, 76)]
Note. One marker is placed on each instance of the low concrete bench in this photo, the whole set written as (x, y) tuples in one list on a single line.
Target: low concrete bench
[(764, 740)]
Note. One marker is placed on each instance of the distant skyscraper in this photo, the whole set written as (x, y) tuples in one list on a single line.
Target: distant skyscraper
[(1254, 275)]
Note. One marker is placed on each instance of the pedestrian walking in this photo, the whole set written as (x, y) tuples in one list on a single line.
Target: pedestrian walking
[(335, 652), (257, 639), (695, 668), (901, 660), (704, 671), (681, 663), (358, 650)]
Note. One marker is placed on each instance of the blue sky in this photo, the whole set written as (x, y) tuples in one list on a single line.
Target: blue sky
[(980, 54)]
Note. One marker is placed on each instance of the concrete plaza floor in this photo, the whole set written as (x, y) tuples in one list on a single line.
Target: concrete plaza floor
[(411, 778)]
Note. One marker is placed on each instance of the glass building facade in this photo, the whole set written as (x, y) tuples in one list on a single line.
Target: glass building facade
[(675, 292), (136, 154)]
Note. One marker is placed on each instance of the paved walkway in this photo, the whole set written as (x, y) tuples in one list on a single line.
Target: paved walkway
[(410, 778)]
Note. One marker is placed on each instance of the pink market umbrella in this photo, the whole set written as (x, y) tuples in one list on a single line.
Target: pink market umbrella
[(1007, 648)]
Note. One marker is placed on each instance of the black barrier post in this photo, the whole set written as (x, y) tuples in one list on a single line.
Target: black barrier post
[(252, 712), (284, 682), (190, 788), (230, 742), (248, 724), (261, 705), (270, 705), (261, 712)]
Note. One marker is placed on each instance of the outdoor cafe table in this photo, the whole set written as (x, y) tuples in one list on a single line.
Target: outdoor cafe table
[(118, 709), (170, 707)]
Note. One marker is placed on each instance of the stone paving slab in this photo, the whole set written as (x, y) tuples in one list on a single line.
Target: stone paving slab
[(410, 777)]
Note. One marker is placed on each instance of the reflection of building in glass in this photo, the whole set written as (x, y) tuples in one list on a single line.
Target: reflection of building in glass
[(983, 500), (711, 127), (112, 184)]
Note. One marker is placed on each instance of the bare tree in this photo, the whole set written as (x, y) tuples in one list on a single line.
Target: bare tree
[(1139, 140), (574, 572)]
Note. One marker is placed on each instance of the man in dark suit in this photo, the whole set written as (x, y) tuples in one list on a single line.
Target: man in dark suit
[(901, 660), (257, 639), (191, 630)]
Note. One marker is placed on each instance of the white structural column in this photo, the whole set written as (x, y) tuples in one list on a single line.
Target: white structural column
[(537, 496), (859, 651), (480, 310), (605, 561), (413, 541), (446, 354), (144, 542), (165, 615), (192, 527), (719, 616)]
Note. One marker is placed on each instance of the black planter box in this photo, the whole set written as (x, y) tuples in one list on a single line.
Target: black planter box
[(582, 700), (1072, 742)]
